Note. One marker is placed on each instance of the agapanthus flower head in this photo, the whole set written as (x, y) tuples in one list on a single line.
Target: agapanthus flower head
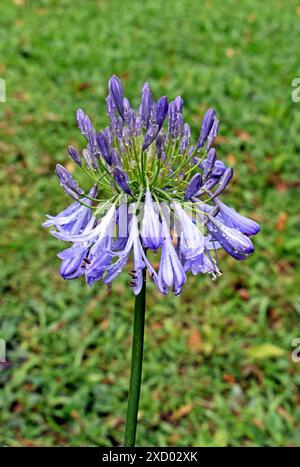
[(153, 193)]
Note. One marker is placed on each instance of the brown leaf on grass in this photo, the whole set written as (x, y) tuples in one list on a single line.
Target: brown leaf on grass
[(284, 266), (21, 96), (281, 221), (74, 414), (231, 159), (221, 140), (244, 294), (229, 379), (104, 324), (243, 135), (156, 325), (83, 86), (194, 341), (181, 412)]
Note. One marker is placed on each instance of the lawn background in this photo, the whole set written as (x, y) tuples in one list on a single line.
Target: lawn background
[(217, 364)]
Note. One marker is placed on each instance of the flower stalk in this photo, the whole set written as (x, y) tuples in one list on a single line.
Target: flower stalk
[(136, 365)]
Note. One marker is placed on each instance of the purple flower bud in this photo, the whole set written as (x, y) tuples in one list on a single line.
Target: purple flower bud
[(93, 145), (110, 107), (68, 183), (116, 91), (208, 164), (194, 186), (219, 168), (233, 219), (207, 124), (179, 125), (126, 104), (150, 136), (178, 103), (162, 106), (215, 168), (146, 105), (223, 182), (208, 185), (212, 134), (84, 123), (115, 158), (234, 242), (104, 145), (73, 153), (122, 180), (172, 118), (187, 131), (90, 159), (160, 140)]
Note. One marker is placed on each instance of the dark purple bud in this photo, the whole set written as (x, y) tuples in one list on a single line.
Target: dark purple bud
[(122, 180), (178, 125), (93, 145), (115, 158), (146, 105), (138, 126), (162, 106), (119, 127), (207, 124), (232, 240), (73, 153), (208, 185), (219, 168), (110, 107), (104, 145), (150, 136), (212, 134), (84, 123), (178, 103), (172, 118), (194, 186), (68, 183), (207, 164), (160, 140), (231, 218), (223, 182), (187, 131), (116, 91)]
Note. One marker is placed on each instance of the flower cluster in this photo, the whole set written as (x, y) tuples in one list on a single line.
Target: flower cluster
[(158, 192)]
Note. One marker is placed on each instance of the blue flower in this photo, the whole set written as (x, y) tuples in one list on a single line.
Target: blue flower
[(159, 191)]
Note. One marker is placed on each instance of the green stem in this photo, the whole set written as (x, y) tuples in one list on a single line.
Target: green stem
[(136, 365)]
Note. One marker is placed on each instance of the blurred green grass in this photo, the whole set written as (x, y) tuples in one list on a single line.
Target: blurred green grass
[(217, 366)]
